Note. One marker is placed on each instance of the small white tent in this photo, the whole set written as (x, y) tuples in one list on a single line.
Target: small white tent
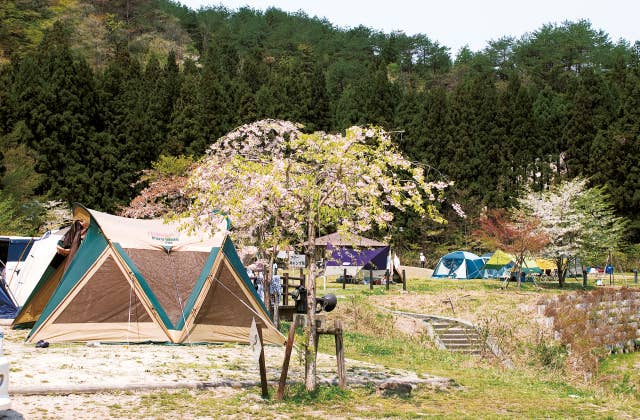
[(34, 265)]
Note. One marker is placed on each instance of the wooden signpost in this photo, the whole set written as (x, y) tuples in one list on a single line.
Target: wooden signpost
[(257, 346)]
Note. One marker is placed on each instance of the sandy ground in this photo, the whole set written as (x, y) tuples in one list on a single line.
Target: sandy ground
[(416, 272), (76, 381)]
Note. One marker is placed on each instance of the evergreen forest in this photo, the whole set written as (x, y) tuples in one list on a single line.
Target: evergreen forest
[(92, 92)]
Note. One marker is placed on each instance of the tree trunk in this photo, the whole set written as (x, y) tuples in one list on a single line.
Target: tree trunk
[(562, 270), (310, 351), (519, 263), (268, 277)]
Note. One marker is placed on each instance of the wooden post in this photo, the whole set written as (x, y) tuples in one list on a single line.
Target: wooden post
[(344, 279), (302, 282), (336, 331), (342, 379), (320, 327), (388, 277), (370, 279), (266, 296), (276, 309), (287, 357), (404, 280), (611, 270), (263, 367), (285, 289)]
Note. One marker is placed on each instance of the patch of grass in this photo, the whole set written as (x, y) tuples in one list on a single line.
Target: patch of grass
[(323, 394), (235, 365), (621, 374), (524, 391), (172, 403)]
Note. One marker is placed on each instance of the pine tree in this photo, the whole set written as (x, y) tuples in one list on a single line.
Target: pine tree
[(217, 91), (186, 133), (472, 127), (615, 154), (517, 154), (379, 97), (591, 112), (54, 96)]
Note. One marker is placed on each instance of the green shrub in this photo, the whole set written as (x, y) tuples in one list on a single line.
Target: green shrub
[(551, 355), (170, 166)]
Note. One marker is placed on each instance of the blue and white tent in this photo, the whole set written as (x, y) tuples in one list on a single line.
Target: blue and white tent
[(459, 265), (13, 252)]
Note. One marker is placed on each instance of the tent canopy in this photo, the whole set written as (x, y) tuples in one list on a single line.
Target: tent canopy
[(34, 266), (354, 241), (498, 260), (497, 265), (530, 266), (145, 280), (546, 264), (459, 265), (352, 253), (374, 259), (13, 252)]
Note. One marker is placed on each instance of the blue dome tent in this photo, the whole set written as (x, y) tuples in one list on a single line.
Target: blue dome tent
[(459, 265)]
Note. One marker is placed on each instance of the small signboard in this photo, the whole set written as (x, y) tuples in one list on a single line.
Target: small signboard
[(254, 341), (297, 261)]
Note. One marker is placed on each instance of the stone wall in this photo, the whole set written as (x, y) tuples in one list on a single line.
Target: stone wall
[(607, 318)]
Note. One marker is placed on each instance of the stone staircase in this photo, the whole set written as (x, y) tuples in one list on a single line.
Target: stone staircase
[(455, 336), (458, 336)]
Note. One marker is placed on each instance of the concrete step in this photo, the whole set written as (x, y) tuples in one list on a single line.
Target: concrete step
[(470, 334), (467, 351), (460, 344), (459, 334), (457, 337), (459, 340), (443, 327), (454, 328)]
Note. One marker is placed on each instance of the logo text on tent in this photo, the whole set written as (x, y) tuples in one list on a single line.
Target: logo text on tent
[(164, 237)]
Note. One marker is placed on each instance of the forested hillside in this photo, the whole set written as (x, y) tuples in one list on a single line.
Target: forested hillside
[(92, 92)]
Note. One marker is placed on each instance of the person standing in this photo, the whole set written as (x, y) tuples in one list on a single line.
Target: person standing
[(422, 260)]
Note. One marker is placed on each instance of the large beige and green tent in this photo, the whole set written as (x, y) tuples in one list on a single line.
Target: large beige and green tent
[(146, 281)]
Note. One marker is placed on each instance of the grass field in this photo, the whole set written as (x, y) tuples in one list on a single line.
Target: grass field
[(539, 386)]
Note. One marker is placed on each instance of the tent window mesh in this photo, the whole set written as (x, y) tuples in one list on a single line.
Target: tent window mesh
[(221, 307), (171, 276), (105, 297)]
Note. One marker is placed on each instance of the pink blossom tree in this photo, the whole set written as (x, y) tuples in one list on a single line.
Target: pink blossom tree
[(279, 184)]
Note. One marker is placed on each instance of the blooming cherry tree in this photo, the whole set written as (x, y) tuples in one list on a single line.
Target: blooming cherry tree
[(578, 221), (278, 184)]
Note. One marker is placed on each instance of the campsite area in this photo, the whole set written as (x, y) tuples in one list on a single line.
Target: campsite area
[(219, 212), (379, 345)]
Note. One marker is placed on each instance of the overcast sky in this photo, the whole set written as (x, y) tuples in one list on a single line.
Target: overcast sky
[(455, 23)]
